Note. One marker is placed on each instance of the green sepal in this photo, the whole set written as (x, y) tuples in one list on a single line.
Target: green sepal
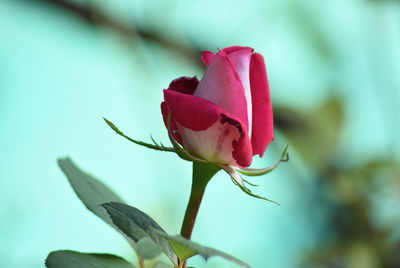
[(250, 183), (185, 249), (262, 171), (154, 146), (240, 182), (74, 259)]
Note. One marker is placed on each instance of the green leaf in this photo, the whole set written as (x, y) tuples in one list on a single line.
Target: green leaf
[(185, 249), (93, 194), (147, 249), (154, 146), (90, 191), (73, 259), (137, 225), (263, 171)]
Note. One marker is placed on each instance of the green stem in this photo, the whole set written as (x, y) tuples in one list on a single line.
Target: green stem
[(202, 174), (141, 262)]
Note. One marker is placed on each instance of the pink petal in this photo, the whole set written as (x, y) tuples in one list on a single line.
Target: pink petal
[(221, 85), (232, 49), (243, 152), (215, 144), (191, 111), (184, 84), (240, 58), (263, 126), (173, 127), (207, 56), (208, 131)]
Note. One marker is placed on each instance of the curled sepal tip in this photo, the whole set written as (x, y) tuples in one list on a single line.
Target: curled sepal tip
[(154, 146), (262, 171), (239, 181)]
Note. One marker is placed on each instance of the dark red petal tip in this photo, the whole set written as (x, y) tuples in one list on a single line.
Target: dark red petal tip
[(207, 56), (185, 84)]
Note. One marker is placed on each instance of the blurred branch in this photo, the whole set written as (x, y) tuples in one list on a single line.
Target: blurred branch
[(95, 17)]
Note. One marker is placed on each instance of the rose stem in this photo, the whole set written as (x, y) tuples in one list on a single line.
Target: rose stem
[(202, 174), (141, 262)]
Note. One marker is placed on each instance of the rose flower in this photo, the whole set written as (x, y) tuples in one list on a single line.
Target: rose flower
[(226, 117)]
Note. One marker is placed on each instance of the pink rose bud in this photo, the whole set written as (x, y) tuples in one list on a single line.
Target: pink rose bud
[(226, 118)]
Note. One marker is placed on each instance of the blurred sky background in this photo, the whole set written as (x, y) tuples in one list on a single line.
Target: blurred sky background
[(334, 70)]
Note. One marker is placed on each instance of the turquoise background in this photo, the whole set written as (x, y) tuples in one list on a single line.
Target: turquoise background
[(59, 75)]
